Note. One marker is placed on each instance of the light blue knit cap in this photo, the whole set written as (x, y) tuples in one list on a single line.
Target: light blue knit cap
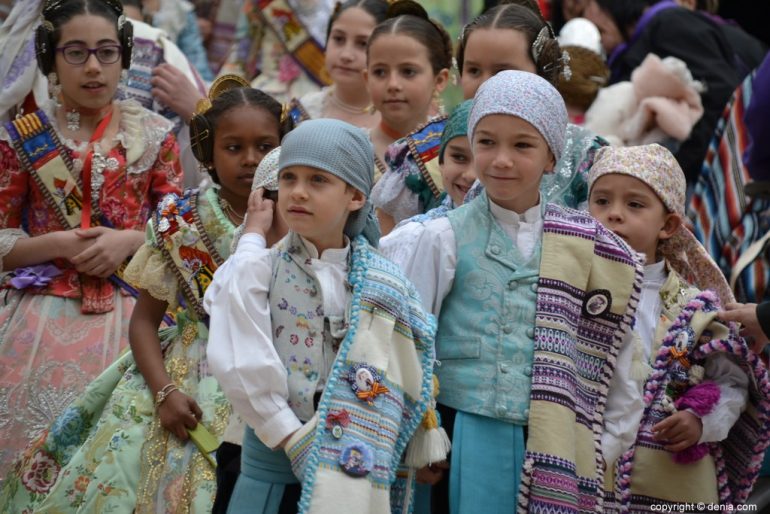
[(343, 150), (456, 126), (526, 96)]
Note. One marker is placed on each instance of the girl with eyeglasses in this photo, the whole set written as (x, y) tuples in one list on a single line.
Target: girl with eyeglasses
[(80, 178)]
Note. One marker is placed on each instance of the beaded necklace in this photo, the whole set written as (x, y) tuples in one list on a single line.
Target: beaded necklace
[(346, 107), (230, 212)]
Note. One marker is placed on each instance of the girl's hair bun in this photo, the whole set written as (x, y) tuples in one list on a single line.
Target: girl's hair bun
[(401, 7), (529, 4)]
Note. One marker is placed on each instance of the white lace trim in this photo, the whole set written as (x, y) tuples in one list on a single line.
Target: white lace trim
[(141, 133), (143, 136), (8, 238), (4, 135), (148, 270)]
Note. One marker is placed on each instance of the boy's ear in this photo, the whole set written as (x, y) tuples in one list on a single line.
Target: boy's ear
[(670, 226), (357, 201), (551, 163)]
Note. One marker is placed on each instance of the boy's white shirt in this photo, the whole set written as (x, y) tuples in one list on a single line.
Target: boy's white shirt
[(625, 406), (427, 252), (240, 352)]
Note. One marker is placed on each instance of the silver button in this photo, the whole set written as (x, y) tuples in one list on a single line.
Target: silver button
[(512, 284), (528, 371), (502, 411), (504, 368), (507, 329), (526, 413), (530, 332), (494, 249), (533, 287)]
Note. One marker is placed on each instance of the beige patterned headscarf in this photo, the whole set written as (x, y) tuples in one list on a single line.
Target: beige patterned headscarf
[(657, 167)]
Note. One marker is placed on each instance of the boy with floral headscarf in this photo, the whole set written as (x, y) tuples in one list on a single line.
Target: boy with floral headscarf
[(677, 429)]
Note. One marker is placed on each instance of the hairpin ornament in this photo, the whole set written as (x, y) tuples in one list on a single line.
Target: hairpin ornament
[(566, 70), (52, 5), (539, 44)]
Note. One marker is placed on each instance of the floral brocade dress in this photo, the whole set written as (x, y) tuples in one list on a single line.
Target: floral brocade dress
[(60, 332), (108, 451)]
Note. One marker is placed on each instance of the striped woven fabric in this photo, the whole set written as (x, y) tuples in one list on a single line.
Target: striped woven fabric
[(727, 473), (390, 332), (587, 295), (723, 219)]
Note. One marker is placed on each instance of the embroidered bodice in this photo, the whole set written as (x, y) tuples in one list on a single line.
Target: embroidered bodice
[(128, 180)]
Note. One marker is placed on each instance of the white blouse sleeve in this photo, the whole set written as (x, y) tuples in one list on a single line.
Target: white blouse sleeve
[(240, 350), (427, 254), (733, 387), (392, 196)]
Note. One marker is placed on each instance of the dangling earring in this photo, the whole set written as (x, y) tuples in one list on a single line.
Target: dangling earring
[(54, 88), (438, 103), (73, 120)]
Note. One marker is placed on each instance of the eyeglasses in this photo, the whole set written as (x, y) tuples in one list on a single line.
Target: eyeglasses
[(79, 54)]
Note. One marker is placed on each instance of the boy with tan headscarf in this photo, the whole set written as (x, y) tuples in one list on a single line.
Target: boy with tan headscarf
[(677, 426)]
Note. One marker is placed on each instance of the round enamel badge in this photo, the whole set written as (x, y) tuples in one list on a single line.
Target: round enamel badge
[(366, 382), (597, 302), (357, 459)]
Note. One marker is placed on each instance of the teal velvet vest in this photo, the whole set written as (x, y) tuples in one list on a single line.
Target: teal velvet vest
[(486, 326)]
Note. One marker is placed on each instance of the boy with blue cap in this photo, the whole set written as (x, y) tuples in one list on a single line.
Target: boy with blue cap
[(320, 343)]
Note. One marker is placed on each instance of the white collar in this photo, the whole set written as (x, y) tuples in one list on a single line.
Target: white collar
[(655, 274), (507, 217), (331, 255)]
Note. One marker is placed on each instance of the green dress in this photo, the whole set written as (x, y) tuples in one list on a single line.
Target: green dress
[(107, 452)]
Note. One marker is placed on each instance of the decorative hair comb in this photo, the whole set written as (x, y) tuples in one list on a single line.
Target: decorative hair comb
[(285, 108), (219, 86), (566, 70), (51, 5), (539, 43)]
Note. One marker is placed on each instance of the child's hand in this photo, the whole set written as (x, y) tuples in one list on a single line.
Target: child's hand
[(108, 249), (680, 430), (259, 214), (173, 89), (746, 315), (70, 244), (178, 413), (432, 474)]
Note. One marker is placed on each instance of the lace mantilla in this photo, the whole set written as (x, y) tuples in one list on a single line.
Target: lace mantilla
[(141, 133), (147, 270), (8, 238)]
